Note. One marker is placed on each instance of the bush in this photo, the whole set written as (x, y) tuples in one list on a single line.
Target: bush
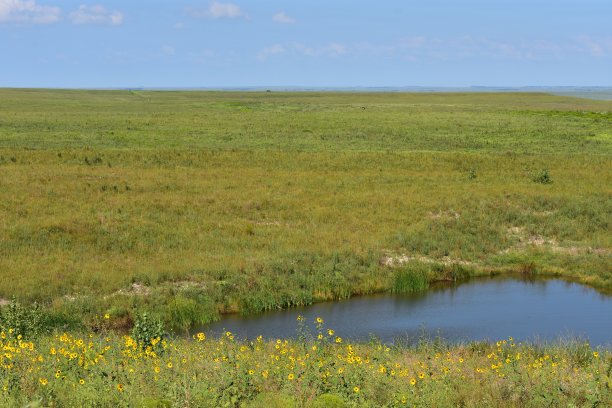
[(18, 320), (472, 174), (146, 330), (542, 177)]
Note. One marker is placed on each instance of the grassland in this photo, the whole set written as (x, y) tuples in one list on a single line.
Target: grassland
[(191, 204), (318, 370)]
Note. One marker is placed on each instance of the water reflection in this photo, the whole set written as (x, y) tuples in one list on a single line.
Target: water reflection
[(474, 310)]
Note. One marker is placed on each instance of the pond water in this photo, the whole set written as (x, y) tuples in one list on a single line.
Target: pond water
[(479, 309)]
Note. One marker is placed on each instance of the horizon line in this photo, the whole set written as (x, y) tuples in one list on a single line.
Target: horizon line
[(323, 87)]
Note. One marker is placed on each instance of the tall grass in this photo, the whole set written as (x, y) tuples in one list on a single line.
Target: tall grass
[(411, 278)]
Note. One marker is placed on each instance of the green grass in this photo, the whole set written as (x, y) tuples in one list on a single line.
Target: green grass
[(519, 123), (214, 202)]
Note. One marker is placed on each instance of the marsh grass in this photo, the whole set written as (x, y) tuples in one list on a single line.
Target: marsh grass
[(413, 278)]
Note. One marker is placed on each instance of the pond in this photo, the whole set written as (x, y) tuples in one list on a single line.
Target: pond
[(478, 309)]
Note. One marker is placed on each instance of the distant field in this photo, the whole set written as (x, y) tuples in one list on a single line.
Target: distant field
[(600, 94), (470, 122), (225, 201)]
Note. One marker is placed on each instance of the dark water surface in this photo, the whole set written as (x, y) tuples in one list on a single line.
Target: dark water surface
[(479, 309)]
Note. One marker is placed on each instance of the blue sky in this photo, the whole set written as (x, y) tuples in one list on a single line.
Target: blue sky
[(111, 43)]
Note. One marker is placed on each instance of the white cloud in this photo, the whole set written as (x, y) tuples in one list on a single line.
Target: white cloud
[(329, 50), (225, 10), (28, 11), (96, 14), (304, 49), (334, 49), (271, 50), (599, 47), (422, 48), (283, 18), (218, 10)]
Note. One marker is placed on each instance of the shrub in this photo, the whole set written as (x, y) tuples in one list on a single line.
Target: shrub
[(17, 320), (542, 177), (146, 330)]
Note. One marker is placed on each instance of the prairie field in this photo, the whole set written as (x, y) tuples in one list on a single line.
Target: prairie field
[(192, 204), (161, 210)]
